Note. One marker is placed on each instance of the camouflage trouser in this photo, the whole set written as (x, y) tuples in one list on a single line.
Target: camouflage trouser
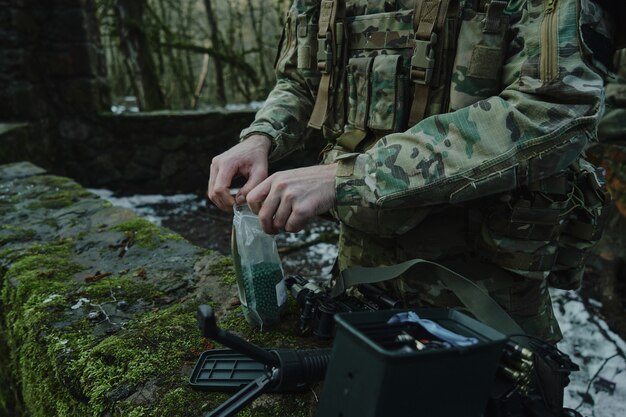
[(441, 238)]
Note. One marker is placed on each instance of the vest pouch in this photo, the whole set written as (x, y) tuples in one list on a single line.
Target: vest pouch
[(583, 227), (379, 45), (380, 222), (306, 33), (359, 91), (387, 104), (547, 231), (520, 234), (482, 44)]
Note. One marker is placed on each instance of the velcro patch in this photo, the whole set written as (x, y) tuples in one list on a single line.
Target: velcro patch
[(345, 167), (485, 62)]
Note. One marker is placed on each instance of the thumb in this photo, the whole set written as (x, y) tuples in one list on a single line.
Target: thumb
[(256, 177)]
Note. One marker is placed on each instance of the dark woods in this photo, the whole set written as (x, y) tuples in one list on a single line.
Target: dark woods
[(189, 54)]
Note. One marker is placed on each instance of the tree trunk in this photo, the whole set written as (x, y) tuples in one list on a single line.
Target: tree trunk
[(217, 44), (137, 55)]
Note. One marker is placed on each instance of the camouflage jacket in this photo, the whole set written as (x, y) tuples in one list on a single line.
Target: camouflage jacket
[(487, 129), (613, 124)]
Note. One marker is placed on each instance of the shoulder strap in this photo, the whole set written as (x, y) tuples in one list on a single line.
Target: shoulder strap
[(474, 298), (428, 21), (327, 55)]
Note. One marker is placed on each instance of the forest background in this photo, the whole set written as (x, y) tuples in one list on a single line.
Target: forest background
[(189, 54)]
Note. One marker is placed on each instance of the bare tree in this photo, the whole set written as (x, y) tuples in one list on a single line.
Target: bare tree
[(157, 49), (217, 43), (137, 54)]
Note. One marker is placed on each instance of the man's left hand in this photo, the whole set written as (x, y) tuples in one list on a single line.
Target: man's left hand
[(287, 199)]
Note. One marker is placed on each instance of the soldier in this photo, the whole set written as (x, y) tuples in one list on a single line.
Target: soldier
[(455, 132)]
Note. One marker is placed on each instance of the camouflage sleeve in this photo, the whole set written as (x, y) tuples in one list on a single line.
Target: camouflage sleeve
[(530, 131), (286, 111)]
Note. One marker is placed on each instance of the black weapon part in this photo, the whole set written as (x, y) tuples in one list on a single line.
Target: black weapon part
[(383, 299), (208, 326), (280, 370)]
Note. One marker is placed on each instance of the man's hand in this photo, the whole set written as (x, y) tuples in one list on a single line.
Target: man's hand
[(247, 158), (287, 199)]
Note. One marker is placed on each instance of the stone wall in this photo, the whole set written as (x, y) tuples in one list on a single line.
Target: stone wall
[(158, 152), (51, 61), (51, 66), (97, 309)]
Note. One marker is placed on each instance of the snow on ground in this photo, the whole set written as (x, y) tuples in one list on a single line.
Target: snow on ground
[(597, 390), (598, 351), (145, 204)]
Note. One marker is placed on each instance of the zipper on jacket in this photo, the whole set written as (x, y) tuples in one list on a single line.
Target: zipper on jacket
[(549, 63)]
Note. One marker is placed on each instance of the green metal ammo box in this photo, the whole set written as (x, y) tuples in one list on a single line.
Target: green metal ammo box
[(371, 374)]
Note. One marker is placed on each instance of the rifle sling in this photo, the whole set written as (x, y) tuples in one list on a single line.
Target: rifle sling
[(474, 298)]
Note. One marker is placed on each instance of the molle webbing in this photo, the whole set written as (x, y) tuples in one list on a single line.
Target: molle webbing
[(329, 56), (428, 22), (566, 213)]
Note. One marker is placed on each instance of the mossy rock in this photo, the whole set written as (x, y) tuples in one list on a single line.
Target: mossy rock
[(98, 307)]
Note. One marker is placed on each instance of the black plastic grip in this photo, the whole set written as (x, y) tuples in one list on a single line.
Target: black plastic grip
[(301, 367), (242, 398), (208, 326)]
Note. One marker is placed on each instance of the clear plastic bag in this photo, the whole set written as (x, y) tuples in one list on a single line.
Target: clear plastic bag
[(259, 271)]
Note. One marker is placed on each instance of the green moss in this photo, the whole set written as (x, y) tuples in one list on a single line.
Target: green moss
[(51, 181), (130, 289), (149, 348), (9, 199), (15, 234), (38, 272), (224, 268), (51, 222), (145, 233), (58, 199), (58, 192)]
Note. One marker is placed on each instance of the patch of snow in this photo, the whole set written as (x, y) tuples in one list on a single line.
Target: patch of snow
[(599, 352), (253, 105), (595, 303), (80, 303), (144, 204), (50, 298)]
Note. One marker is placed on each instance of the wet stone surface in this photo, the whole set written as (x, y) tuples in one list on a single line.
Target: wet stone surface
[(98, 308)]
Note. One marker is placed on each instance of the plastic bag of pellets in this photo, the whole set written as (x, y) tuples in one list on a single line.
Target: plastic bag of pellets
[(260, 277)]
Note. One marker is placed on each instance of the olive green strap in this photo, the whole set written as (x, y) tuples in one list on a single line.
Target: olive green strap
[(474, 298), (329, 39), (428, 22)]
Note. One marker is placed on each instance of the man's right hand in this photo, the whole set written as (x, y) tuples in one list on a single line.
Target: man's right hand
[(248, 159)]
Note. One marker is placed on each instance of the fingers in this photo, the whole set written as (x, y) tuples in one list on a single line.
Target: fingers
[(257, 175), (256, 197), (219, 185), (282, 213), (296, 222), (287, 199), (248, 159)]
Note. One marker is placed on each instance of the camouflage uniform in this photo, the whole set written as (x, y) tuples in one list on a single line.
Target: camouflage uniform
[(611, 153), (490, 180)]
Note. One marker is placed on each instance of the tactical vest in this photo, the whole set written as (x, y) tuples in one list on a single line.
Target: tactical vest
[(379, 66)]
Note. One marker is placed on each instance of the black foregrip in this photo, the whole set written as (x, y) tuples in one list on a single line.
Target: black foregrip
[(206, 323), (300, 367)]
